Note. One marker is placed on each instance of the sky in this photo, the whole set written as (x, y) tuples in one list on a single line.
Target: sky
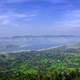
[(39, 17)]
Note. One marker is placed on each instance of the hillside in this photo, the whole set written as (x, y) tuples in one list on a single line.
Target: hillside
[(29, 64)]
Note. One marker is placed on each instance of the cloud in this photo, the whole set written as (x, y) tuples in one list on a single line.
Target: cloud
[(72, 18), (18, 14), (69, 24), (10, 18)]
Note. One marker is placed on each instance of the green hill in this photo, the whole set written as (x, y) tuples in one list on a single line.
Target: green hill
[(60, 63)]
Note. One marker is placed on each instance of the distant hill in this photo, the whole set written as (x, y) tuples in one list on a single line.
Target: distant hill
[(38, 36)]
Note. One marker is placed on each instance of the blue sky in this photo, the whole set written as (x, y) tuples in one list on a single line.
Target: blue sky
[(39, 17)]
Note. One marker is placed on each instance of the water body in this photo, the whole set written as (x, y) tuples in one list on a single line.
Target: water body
[(31, 43)]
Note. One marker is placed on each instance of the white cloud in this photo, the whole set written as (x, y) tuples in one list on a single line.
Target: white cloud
[(70, 23), (12, 17), (71, 18)]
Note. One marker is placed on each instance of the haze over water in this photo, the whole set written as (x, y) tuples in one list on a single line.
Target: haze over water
[(35, 43)]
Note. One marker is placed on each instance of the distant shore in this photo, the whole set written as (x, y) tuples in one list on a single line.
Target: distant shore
[(5, 52), (40, 49)]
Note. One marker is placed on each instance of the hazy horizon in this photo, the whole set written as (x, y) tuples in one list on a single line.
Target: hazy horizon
[(39, 17)]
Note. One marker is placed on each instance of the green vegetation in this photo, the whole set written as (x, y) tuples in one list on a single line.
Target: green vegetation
[(53, 64)]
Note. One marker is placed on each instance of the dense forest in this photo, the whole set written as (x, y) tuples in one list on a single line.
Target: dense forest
[(60, 63)]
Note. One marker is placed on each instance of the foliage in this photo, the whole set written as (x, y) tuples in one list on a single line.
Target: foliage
[(53, 64)]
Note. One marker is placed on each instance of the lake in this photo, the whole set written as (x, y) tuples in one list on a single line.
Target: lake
[(34, 43)]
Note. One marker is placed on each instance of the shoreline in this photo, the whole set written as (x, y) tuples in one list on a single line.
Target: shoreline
[(49, 48), (6, 52), (29, 50)]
